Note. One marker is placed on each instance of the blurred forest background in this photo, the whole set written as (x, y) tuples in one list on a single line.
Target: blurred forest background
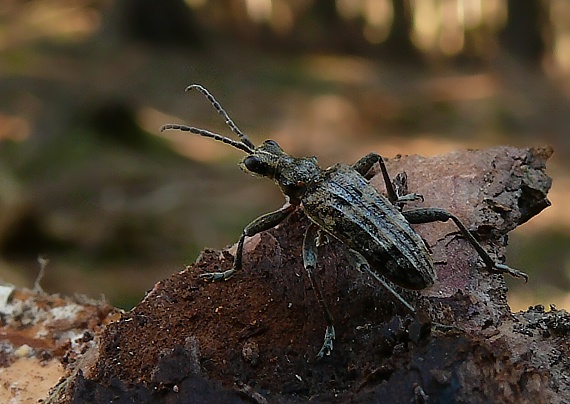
[(87, 180)]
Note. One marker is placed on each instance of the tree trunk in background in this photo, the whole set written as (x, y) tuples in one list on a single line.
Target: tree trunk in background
[(165, 23), (523, 34)]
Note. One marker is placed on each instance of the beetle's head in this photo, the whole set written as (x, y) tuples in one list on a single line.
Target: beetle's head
[(264, 159), (292, 174)]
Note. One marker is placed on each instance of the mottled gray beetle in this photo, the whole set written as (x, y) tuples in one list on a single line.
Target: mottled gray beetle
[(341, 202)]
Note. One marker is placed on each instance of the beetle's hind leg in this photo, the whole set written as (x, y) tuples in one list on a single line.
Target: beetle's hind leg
[(362, 265), (310, 263), (363, 167), (260, 224), (428, 215)]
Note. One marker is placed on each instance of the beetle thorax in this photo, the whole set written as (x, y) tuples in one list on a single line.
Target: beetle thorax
[(294, 175)]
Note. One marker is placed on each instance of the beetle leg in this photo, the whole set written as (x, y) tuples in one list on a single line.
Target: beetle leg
[(310, 263), (363, 167), (260, 224), (362, 265), (428, 215), (400, 184)]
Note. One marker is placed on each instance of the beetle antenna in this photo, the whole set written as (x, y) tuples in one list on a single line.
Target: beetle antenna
[(206, 133), (245, 140)]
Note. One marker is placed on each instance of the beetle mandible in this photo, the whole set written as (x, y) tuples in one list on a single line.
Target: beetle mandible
[(341, 202)]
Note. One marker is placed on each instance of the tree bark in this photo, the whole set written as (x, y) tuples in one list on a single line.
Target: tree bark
[(254, 338)]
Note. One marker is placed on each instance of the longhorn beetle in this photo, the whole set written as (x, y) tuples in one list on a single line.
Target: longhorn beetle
[(341, 202)]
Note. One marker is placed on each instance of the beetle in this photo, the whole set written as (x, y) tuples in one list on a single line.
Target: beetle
[(341, 202)]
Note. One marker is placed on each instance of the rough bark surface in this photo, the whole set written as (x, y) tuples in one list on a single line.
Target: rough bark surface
[(255, 337)]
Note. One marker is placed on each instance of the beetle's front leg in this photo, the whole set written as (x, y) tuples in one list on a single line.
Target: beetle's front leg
[(310, 263), (363, 167), (428, 215), (260, 224)]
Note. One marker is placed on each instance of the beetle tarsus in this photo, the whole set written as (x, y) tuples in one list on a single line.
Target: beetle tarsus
[(410, 198), (328, 344), (505, 269), (217, 276)]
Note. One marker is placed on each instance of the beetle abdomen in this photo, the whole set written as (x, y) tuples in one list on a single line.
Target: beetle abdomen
[(346, 206)]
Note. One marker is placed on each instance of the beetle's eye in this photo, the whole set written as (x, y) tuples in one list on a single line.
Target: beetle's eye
[(256, 165)]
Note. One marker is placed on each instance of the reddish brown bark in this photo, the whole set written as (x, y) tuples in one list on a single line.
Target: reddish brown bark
[(254, 338)]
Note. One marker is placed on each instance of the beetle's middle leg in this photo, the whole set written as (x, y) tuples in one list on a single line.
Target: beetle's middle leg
[(310, 263), (363, 167), (429, 215), (260, 224)]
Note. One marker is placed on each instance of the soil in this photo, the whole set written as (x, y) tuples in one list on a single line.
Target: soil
[(255, 337)]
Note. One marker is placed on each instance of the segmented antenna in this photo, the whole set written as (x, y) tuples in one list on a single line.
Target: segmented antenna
[(223, 113), (206, 133), (245, 144)]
